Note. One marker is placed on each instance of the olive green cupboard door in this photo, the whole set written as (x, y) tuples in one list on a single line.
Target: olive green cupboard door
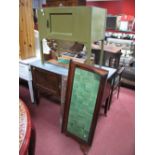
[(83, 24)]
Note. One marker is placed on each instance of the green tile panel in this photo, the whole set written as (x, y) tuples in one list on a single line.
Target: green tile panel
[(83, 101)]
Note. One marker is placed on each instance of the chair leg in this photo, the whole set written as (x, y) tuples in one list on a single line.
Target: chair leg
[(118, 91), (106, 106)]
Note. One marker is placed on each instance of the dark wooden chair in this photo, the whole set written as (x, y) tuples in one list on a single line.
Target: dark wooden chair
[(112, 60)]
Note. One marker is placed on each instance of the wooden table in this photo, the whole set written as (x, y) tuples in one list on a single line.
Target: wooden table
[(47, 79), (53, 79), (25, 73), (107, 48), (110, 52), (24, 128)]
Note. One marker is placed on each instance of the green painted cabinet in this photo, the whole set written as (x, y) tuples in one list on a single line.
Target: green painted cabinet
[(81, 24)]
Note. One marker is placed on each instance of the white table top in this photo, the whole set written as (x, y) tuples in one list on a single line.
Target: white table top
[(64, 71)]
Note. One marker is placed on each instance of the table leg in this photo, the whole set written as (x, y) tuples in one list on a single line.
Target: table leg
[(111, 93), (63, 94), (31, 91)]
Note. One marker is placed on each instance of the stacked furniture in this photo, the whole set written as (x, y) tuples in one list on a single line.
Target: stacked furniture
[(83, 25), (127, 60), (79, 24)]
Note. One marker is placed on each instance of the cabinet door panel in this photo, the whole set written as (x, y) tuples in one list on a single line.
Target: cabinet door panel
[(47, 81)]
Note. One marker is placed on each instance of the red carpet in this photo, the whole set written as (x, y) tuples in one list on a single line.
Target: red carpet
[(114, 135)]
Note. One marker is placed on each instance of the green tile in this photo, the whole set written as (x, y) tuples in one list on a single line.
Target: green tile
[(83, 100)]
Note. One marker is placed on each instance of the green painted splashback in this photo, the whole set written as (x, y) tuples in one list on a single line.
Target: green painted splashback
[(83, 101)]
